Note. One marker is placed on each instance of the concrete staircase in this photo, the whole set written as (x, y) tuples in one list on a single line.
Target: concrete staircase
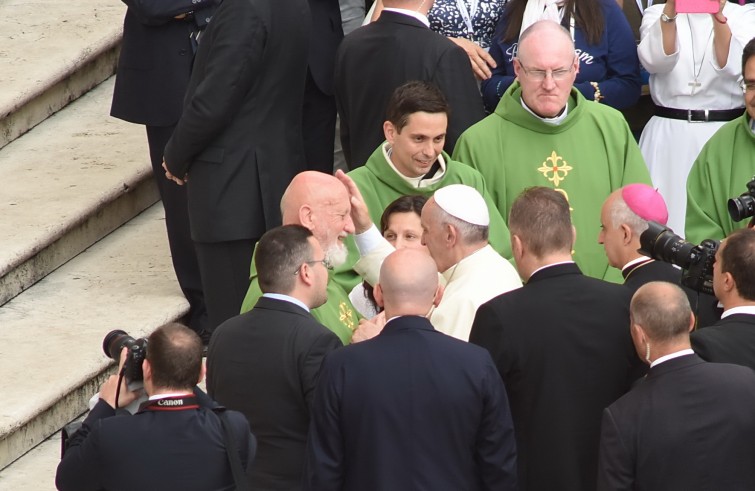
[(82, 241)]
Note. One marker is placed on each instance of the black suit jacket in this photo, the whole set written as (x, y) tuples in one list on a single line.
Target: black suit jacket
[(411, 409), (155, 60), (562, 345), (239, 137), (703, 305), (375, 59), (153, 451), (265, 363), (327, 34), (730, 340), (689, 426)]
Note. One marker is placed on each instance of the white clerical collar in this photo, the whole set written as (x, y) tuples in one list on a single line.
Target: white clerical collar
[(286, 298), (671, 356), (744, 309), (411, 13), (555, 121), (415, 182), (634, 261)]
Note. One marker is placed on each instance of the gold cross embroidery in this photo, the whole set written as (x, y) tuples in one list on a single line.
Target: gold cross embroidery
[(346, 315), (559, 172)]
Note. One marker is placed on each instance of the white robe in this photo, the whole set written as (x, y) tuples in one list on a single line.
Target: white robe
[(470, 283), (670, 146)]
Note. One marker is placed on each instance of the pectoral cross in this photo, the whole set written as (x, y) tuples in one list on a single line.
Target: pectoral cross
[(694, 84)]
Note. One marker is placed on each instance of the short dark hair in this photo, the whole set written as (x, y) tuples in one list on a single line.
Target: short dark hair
[(279, 253), (738, 259), (747, 53), (541, 218), (414, 97), (411, 203), (175, 354)]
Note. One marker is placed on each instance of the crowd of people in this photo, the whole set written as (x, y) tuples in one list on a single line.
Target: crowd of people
[(474, 298)]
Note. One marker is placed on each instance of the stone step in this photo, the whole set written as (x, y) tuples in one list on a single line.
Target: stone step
[(35, 471), (72, 180), (51, 53), (51, 335)]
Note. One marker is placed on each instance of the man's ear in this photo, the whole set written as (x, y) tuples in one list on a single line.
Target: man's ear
[(451, 235), (517, 67), (389, 131), (516, 247), (306, 217), (728, 282), (627, 234), (377, 292), (306, 274), (147, 370)]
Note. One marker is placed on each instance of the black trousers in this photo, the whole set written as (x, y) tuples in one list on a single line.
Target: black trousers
[(225, 277), (319, 127), (179, 236)]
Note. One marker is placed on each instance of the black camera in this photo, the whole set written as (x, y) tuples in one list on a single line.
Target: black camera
[(743, 206), (137, 352), (662, 244)]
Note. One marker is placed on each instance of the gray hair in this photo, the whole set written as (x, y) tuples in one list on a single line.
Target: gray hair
[(468, 232), (622, 214)]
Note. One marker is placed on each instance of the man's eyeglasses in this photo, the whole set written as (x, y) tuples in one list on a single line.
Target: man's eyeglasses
[(322, 261), (539, 75), (748, 86)]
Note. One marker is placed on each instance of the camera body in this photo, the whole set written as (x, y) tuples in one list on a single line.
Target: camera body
[(743, 206), (115, 341), (662, 244)]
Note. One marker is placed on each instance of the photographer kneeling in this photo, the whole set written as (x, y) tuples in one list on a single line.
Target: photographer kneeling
[(175, 441)]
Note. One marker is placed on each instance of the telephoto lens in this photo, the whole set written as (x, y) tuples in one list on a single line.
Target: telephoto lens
[(115, 341)]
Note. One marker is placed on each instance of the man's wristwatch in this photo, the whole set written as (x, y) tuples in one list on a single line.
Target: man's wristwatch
[(667, 19)]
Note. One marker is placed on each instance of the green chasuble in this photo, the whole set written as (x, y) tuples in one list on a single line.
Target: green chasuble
[(722, 170), (337, 314), (586, 157), (380, 185)]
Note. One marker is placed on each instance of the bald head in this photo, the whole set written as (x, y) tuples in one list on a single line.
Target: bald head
[(313, 189), (320, 202), (545, 34), (408, 282), (663, 312)]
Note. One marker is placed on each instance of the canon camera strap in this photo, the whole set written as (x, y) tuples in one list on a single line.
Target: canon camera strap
[(174, 403)]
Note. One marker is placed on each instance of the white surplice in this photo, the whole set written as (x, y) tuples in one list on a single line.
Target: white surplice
[(670, 146)]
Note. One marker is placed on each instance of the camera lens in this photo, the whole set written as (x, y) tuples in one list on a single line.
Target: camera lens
[(114, 342), (661, 243), (741, 208)]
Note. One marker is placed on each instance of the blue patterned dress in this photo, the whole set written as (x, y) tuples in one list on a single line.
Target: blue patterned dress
[(446, 19)]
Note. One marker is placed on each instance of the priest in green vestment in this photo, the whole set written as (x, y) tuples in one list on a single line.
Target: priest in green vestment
[(724, 167), (319, 202), (412, 161), (545, 133)]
